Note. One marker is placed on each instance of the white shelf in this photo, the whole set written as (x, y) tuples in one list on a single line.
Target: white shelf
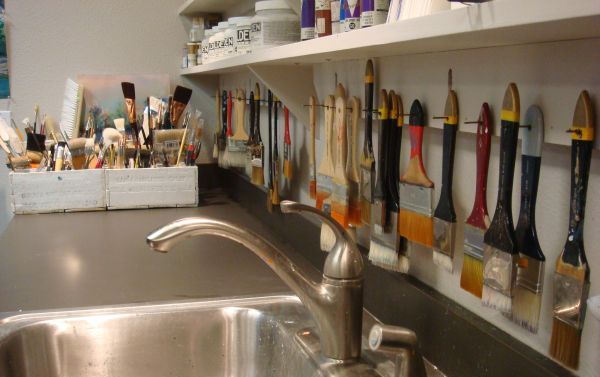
[(496, 23), (192, 7)]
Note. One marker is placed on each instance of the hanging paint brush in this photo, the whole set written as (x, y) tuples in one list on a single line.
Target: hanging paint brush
[(258, 162), (352, 163), (339, 195), (500, 254), (287, 149), (444, 217), (251, 144), (325, 175), (572, 275), (471, 277), (237, 143), (270, 181), (223, 132), (276, 163), (218, 127), (527, 299), (229, 134), (416, 189), (367, 159), (312, 185)]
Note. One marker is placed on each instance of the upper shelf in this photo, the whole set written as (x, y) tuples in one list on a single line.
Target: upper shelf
[(495, 23)]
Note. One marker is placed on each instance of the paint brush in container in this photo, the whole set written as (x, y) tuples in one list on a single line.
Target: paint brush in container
[(312, 185), (352, 167), (471, 277), (258, 151), (444, 217), (339, 195), (129, 94), (572, 274), (181, 97), (416, 189), (527, 298), (500, 254), (367, 160)]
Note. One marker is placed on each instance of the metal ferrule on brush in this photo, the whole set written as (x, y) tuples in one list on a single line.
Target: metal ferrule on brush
[(499, 268), (416, 199), (443, 236), (570, 295), (530, 274), (379, 216), (474, 244)]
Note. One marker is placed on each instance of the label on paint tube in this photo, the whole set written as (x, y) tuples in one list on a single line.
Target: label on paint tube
[(307, 22), (374, 12), (323, 15), (335, 17), (350, 15)]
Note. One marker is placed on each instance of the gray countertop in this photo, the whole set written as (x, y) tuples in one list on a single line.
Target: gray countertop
[(101, 258)]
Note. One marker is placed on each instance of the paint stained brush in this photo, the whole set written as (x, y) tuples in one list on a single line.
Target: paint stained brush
[(367, 160), (339, 196), (416, 189), (352, 168), (572, 275), (527, 299), (229, 133), (325, 175), (237, 142), (258, 151), (287, 151), (312, 185), (444, 217), (500, 254), (471, 277)]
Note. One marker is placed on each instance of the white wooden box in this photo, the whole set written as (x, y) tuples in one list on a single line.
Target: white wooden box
[(63, 191), (152, 188)]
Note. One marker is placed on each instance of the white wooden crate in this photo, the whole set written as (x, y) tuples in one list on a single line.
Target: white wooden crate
[(64, 191), (152, 188)]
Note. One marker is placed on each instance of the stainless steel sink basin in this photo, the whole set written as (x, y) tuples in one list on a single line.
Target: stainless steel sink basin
[(234, 337)]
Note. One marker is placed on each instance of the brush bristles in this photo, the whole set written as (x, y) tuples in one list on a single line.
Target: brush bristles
[(312, 189), (258, 177), (287, 169), (416, 227), (327, 238), (365, 211), (565, 343), (215, 153), (471, 277), (237, 159), (443, 260), (354, 214), (387, 258), (340, 212), (526, 308), (496, 300)]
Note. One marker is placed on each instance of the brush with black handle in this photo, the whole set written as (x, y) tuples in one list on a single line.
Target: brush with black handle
[(500, 254), (572, 275), (276, 164), (270, 172), (527, 300)]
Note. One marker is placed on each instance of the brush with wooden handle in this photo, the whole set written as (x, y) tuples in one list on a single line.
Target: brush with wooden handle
[(527, 298), (367, 160), (276, 164), (416, 189), (287, 152), (312, 184), (325, 175), (258, 152), (471, 277), (500, 254), (237, 143), (352, 168), (339, 196), (572, 275), (444, 217)]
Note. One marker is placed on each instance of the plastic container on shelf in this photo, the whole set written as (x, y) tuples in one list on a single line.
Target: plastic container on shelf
[(242, 41), (231, 34), (213, 44), (238, 35), (275, 24), (203, 53), (197, 30), (219, 50)]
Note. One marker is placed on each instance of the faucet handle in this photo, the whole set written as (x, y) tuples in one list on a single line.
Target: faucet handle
[(344, 260), (401, 342)]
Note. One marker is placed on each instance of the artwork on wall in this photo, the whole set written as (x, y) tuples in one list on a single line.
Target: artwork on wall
[(103, 96), (4, 83)]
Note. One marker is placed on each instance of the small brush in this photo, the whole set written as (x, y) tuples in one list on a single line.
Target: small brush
[(237, 143), (312, 185), (276, 164), (367, 160), (444, 217), (416, 189), (229, 133), (222, 140), (527, 299), (352, 167), (181, 97), (471, 277), (258, 152), (572, 275), (339, 196), (218, 127), (287, 152), (252, 142), (500, 254), (270, 172)]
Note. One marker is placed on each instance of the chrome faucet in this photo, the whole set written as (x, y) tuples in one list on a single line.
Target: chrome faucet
[(336, 303)]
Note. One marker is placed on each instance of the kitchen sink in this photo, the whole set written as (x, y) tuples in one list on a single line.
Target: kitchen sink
[(234, 337)]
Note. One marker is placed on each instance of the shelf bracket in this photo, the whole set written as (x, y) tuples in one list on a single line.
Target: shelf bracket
[(292, 84)]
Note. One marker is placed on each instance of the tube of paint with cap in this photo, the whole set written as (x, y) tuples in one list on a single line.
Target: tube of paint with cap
[(335, 16), (307, 30), (373, 12), (350, 15), (323, 17)]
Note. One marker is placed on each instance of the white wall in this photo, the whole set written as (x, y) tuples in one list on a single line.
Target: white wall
[(550, 80), (50, 41)]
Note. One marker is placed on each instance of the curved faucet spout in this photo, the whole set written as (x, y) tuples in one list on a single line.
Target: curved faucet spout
[(335, 303)]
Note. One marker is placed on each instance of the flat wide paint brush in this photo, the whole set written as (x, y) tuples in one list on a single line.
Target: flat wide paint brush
[(444, 217), (471, 277), (258, 151), (129, 94), (352, 168), (326, 167), (416, 189), (527, 299), (386, 247), (500, 254), (312, 153), (181, 97), (367, 159), (237, 143), (339, 196), (572, 275)]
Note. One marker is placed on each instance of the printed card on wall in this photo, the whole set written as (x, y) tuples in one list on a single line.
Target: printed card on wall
[(103, 96), (4, 83)]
